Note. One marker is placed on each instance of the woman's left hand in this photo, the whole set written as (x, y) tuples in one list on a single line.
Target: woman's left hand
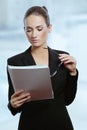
[(69, 62)]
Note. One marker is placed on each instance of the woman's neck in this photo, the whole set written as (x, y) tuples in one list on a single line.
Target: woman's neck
[(40, 55), (38, 50)]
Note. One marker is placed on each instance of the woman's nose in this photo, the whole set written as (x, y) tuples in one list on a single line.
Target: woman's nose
[(34, 33)]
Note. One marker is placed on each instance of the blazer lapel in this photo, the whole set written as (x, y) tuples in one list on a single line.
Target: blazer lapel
[(53, 60), (27, 58)]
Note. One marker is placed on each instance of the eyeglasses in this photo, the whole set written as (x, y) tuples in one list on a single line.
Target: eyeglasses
[(59, 65), (55, 72)]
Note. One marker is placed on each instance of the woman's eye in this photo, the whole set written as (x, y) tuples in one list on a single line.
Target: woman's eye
[(40, 29), (29, 30)]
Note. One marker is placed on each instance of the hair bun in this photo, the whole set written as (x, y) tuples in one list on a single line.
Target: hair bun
[(45, 8)]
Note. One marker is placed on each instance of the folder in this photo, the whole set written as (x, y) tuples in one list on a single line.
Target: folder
[(35, 79)]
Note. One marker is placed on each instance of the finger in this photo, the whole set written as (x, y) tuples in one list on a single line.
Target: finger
[(71, 61), (21, 102), (66, 58), (63, 55), (22, 96), (17, 93)]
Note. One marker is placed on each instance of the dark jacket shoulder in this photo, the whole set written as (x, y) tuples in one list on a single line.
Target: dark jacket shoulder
[(17, 58), (60, 51)]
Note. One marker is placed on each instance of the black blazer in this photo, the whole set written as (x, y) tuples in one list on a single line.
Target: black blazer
[(64, 85)]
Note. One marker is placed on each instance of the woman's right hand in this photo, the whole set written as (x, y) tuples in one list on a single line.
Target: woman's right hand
[(19, 98)]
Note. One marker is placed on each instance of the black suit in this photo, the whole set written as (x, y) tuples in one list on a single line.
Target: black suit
[(47, 114)]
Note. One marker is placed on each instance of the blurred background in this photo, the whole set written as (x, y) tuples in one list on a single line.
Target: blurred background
[(69, 21)]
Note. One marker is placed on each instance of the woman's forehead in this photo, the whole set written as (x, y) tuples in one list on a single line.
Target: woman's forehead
[(35, 20)]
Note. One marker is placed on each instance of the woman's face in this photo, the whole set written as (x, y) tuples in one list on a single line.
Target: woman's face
[(36, 30)]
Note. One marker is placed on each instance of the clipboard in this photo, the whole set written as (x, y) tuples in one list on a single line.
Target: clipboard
[(35, 79)]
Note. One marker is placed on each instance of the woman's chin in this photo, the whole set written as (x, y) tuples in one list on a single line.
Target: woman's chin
[(36, 45)]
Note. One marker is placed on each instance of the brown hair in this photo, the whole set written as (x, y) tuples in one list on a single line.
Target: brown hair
[(37, 10)]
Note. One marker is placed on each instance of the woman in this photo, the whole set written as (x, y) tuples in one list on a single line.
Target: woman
[(44, 114)]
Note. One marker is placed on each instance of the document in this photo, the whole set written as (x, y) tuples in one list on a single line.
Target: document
[(35, 79)]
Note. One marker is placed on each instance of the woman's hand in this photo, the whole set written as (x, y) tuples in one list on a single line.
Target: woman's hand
[(19, 98), (69, 62)]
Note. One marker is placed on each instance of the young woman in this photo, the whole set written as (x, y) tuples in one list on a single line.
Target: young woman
[(50, 114)]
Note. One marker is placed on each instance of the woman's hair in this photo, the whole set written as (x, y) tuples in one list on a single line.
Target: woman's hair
[(37, 10)]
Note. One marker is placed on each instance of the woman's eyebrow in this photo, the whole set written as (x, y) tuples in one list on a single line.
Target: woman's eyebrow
[(28, 27), (39, 26)]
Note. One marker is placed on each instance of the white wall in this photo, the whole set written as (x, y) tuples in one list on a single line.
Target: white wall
[(3, 13)]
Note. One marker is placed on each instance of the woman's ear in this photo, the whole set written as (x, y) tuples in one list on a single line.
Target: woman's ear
[(50, 28)]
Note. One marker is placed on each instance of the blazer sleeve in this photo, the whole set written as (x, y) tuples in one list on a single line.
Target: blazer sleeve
[(70, 89)]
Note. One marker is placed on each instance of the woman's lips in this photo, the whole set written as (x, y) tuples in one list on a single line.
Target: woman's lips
[(34, 41)]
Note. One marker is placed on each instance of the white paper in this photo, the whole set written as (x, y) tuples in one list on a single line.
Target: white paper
[(35, 79)]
